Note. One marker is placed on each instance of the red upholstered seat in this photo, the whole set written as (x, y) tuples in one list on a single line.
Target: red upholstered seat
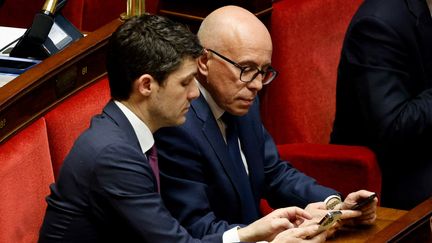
[(298, 107), (25, 176), (66, 121), (86, 15)]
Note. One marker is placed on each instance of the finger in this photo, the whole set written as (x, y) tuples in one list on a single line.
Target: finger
[(316, 205), (303, 214), (362, 194), (308, 222), (282, 224), (306, 231), (293, 213), (360, 219), (354, 197), (319, 213), (347, 214), (368, 220), (368, 208), (369, 212), (321, 237)]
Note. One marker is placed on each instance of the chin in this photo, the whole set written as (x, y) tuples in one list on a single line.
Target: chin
[(180, 121), (239, 112)]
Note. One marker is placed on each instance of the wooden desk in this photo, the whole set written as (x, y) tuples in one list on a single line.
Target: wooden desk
[(34, 92), (385, 216), (392, 225)]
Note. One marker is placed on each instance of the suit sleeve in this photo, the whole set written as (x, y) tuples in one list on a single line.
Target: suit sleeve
[(126, 185), (285, 185), (394, 105)]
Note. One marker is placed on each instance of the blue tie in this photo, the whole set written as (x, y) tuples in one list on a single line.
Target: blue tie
[(249, 209)]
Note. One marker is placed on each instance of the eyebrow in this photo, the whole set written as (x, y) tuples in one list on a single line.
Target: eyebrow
[(189, 76)]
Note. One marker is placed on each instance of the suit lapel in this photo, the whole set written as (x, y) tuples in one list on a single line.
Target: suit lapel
[(114, 112), (210, 128), (214, 137), (422, 14)]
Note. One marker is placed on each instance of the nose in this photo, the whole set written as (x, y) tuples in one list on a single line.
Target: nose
[(193, 91), (256, 83)]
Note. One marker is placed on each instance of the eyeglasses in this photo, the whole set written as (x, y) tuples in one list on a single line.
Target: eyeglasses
[(248, 74)]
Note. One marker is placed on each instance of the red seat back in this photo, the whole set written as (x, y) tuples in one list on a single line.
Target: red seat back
[(299, 106), (66, 121), (25, 176)]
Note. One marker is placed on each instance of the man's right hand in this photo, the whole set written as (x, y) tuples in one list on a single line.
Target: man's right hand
[(266, 228), (304, 234)]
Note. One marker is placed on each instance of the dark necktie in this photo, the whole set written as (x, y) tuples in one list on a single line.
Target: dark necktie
[(249, 209), (231, 136), (153, 161)]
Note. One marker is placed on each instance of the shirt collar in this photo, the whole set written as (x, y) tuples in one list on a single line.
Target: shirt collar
[(216, 110), (143, 133)]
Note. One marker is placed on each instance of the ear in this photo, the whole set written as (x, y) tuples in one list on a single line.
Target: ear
[(202, 63), (145, 84)]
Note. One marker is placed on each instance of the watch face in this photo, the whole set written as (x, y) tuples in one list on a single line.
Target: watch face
[(332, 202)]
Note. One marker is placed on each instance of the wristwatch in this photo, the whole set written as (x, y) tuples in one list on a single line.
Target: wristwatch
[(332, 201)]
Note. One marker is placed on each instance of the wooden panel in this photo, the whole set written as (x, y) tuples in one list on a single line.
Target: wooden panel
[(32, 93), (192, 12)]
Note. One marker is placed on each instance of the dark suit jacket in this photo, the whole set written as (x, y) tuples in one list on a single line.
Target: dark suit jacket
[(106, 191), (384, 95), (200, 186)]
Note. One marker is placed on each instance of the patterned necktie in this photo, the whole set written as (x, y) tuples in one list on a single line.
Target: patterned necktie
[(153, 161)]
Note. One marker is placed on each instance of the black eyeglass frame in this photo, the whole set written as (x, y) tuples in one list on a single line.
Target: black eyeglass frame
[(243, 68)]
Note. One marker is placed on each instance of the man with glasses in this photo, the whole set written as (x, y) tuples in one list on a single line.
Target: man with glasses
[(217, 167), (108, 188)]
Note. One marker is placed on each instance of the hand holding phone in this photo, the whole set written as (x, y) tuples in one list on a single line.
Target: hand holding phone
[(363, 202), (329, 220)]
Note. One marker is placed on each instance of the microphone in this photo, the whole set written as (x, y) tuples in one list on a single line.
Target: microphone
[(42, 23), (31, 43)]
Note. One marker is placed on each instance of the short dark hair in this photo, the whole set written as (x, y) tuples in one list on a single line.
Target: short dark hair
[(147, 44)]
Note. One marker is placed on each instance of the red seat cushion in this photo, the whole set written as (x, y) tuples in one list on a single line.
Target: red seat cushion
[(25, 176)]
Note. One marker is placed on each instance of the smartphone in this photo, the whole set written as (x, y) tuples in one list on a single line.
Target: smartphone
[(329, 220), (363, 202)]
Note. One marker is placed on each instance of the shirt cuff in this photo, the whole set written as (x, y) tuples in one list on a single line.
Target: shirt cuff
[(231, 236), (332, 201)]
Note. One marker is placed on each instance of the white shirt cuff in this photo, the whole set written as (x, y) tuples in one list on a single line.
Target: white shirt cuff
[(231, 236)]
